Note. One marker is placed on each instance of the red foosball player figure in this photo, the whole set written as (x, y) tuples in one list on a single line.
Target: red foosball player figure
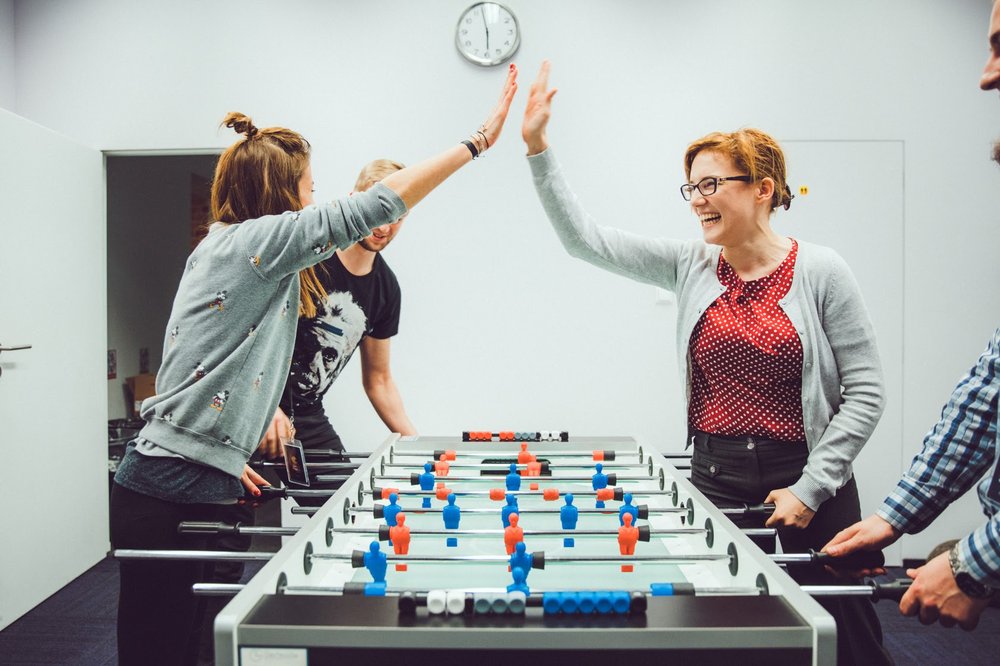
[(441, 466), (627, 538), (524, 456), (400, 538), (514, 534)]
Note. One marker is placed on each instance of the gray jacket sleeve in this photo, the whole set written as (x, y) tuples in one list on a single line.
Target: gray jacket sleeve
[(279, 245), (650, 260), (857, 378)]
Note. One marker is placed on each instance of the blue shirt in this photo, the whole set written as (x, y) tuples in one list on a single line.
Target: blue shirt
[(959, 451)]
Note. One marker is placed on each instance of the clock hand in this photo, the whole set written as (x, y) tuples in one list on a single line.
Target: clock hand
[(487, 28)]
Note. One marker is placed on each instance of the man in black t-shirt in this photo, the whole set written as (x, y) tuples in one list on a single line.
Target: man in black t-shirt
[(361, 310)]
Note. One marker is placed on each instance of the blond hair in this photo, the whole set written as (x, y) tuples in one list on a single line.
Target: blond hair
[(375, 171)]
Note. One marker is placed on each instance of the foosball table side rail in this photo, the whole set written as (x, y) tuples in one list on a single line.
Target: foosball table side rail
[(313, 623)]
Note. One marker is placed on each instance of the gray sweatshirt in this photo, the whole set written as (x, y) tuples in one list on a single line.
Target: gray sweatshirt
[(842, 389), (232, 328)]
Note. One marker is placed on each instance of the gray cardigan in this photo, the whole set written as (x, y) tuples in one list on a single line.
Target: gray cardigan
[(232, 328), (842, 391)]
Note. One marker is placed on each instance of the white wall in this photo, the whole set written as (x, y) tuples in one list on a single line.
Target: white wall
[(149, 237), (7, 54), (500, 328)]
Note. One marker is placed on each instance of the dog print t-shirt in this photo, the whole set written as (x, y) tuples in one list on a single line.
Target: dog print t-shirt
[(355, 306)]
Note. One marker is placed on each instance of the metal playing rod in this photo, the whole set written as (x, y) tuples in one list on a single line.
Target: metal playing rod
[(519, 493), (862, 559), (873, 589), (527, 533), (554, 511), (451, 454), (311, 465), (492, 478), (208, 555), (217, 589), (226, 528), (198, 527), (549, 559), (330, 453), (376, 509), (519, 466)]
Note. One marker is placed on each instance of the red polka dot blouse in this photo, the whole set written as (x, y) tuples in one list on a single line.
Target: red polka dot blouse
[(746, 359)]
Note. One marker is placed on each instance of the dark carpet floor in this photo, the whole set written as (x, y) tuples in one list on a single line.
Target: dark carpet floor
[(76, 626)]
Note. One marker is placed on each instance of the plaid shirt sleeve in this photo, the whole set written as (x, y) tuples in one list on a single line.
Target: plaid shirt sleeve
[(957, 452)]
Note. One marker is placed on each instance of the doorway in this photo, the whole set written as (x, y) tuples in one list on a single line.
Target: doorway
[(157, 208)]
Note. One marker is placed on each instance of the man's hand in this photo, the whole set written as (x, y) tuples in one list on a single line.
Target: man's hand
[(872, 533), (280, 428), (934, 596), (789, 511)]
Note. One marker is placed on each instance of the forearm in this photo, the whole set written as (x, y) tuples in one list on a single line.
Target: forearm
[(956, 453), (388, 404), (414, 183), (651, 260)]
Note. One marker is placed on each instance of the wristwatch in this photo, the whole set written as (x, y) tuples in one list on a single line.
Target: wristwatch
[(966, 583)]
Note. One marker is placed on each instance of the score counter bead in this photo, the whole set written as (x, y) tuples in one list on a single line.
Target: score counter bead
[(437, 602), (455, 602)]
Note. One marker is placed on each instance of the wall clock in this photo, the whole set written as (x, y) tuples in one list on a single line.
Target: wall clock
[(487, 34)]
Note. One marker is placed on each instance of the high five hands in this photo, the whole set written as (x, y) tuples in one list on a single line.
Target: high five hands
[(537, 112), (491, 128)]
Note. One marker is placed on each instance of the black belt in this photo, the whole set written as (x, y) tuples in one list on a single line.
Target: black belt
[(697, 436)]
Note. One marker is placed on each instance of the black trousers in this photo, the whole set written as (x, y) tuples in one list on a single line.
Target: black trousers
[(158, 616), (732, 472)]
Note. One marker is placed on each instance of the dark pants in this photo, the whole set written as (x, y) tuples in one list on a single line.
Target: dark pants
[(158, 616), (222, 572), (732, 472)]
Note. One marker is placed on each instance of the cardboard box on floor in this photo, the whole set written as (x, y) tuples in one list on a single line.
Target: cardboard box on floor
[(137, 389)]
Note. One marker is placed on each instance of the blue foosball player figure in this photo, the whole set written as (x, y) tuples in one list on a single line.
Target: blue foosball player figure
[(513, 479), (521, 559), (599, 481), (391, 510), (427, 483), (628, 507), (569, 514), (509, 508), (519, 585), (375, 562), (452, 515)]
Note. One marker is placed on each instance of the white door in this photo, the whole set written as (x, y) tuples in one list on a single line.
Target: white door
[(53, 399), (854, 204)]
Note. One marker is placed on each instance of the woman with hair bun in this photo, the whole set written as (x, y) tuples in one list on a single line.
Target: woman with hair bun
[(226, 356), (776, 351)]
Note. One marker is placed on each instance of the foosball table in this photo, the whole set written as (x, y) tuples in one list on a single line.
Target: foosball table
[(521, 546)]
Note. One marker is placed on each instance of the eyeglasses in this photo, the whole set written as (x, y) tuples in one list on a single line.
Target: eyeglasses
[(708, 186)]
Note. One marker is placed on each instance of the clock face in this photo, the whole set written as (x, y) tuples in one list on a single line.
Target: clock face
[(487, 34)]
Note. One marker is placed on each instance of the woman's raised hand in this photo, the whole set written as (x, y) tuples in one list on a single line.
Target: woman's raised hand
[(491, 128), (537, 112)]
